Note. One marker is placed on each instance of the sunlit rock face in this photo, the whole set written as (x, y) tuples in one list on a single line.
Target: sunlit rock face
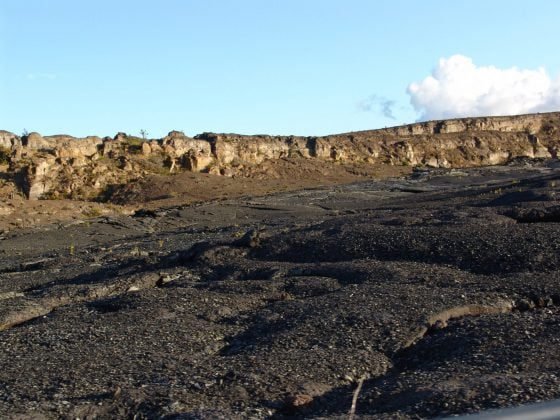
[(65, 166)]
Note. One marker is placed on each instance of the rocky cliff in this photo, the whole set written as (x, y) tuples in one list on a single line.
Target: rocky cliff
[(65, 166)]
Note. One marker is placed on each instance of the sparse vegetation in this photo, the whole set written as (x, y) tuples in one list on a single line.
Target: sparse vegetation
[(548, 127), (56, 195), (92, 212), (134, 144), (4, 156)]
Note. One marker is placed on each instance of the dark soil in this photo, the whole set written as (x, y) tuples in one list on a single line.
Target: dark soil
[(440, 292)]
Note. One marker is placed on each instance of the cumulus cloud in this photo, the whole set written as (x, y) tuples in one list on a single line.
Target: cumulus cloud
[(378, 104), (459, 88)]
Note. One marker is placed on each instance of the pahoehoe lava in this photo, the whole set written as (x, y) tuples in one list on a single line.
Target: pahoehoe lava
[(438, 292)]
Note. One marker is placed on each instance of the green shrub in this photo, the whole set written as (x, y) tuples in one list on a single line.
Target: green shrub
[(134, 144), (5, 156), (92, 212)]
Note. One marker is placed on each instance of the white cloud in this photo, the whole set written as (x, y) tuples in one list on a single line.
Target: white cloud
[(459, 88)]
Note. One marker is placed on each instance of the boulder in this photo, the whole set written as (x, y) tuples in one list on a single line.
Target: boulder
[(9, 140), (35, 141)]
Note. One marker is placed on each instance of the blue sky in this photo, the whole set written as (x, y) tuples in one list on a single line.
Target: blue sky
[(278, 67)]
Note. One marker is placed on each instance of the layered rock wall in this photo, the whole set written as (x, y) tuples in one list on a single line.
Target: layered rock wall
[(64, 166)]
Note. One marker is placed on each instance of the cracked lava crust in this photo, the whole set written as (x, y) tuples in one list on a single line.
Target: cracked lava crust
[(440, 292)]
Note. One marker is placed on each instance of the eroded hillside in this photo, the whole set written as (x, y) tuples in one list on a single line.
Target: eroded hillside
[(89, 168)]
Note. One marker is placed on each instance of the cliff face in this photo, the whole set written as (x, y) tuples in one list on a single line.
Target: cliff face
[(64, 166)]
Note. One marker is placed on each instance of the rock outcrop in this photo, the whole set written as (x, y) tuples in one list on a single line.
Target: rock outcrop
[(65, 166)]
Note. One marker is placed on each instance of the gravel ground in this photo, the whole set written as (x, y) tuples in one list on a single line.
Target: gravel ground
[(438, 293)]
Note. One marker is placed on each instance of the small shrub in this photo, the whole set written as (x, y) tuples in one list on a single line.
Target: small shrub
[(548, 127), (92, 212), (134, 144), (5, 154)]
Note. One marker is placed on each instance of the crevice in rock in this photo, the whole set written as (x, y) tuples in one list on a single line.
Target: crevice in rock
[(33, 265), (535, 215), (375, 402), (501, 306), (440, 319), (23, 308)]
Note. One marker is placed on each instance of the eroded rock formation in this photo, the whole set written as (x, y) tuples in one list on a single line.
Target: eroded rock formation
[(65, 166)]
